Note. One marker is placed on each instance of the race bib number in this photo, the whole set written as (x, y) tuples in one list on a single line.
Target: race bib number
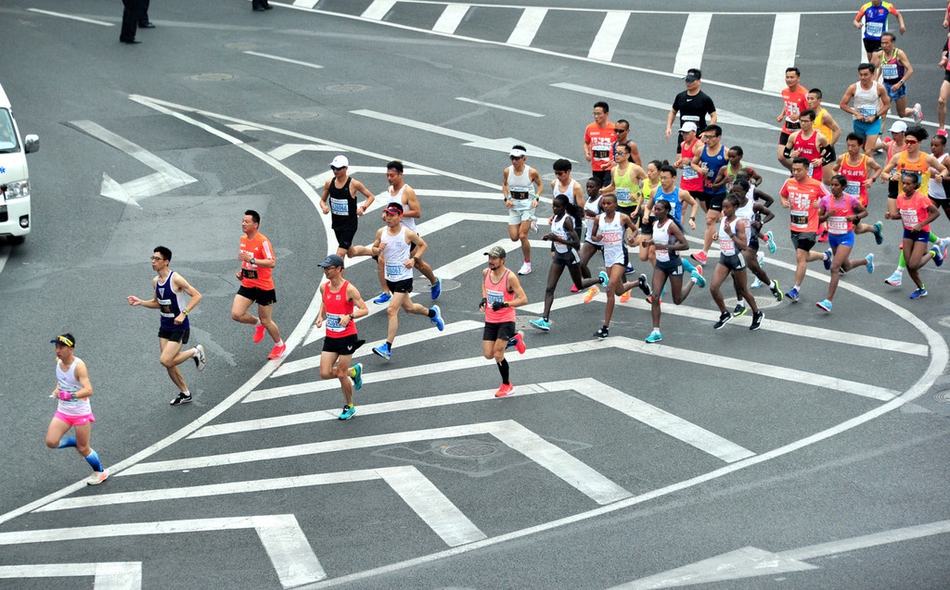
[(394, 271), (853, 188), (519, 192), (611, 237), (494, 296), (165, 308), (873, 29), (623, 196), (889, 71), (339, 207), (867, 111), (689, 173), (799, 219), (333, 323), (727, 246), (248, 274), (838, 225), (663, 255), (909, 217)]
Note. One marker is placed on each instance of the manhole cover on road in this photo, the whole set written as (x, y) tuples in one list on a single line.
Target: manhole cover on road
[(468, 449), (943, 396), (212, 77), (295, 115), (421, 285), (346, 87)]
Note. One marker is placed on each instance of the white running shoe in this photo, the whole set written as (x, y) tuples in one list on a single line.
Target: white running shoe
[(525, 269)]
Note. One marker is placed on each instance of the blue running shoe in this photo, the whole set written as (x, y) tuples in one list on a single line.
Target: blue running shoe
[(436, 289), (604, 279), (771, 243), (827, 258), (825, 305), (870, 259), (358, 376), (541, 324), (938, 255), (793, 295), (699, 279), (878, 232), (384, 351), (654, 337), (921, 292), (437, 319), (382, 298), (347, 412)]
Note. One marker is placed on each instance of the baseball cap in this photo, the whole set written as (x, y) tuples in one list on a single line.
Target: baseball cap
[(332, 260), (898, 127), (693, 74), (394, 209), (339, 162), (688, 126), (496, 252), (66, 339)]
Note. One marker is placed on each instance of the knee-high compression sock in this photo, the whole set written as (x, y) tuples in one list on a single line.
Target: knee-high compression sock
[(93, 459), (503, 369), (66, 441), (901, 262)]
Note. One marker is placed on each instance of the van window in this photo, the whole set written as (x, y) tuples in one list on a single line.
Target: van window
[(8, 139)]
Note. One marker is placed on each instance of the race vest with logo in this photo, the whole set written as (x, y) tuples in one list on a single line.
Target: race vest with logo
[(921, 168), (690, 181), (856, 176), (67, 381), (840, 209), (557, 228), (253, 275), (726, 244), (673, 198), (408, 222), (337, 305), (342, 206), (808, 149), (802, 197), (626, 188), (891, 68), (170, 305), (396, 253), (611, 234), (498, 292), (913, 210), (661, 238)]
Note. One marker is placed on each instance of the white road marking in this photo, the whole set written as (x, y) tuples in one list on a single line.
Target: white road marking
[(450, 18), (751, 562), (285, 59), (551, 457), (165, 178), (782, 51), (306, 3), (614, 399), (71, 17), (527, 27), (497, 106), (282, 152), (725, 117), (107, 575), (608, 36), (378, 9), (813, 380), (692, 43), (499, 145), (430, 504), (284, 541)]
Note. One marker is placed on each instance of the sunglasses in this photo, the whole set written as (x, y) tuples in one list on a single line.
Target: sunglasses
[(334, 168)]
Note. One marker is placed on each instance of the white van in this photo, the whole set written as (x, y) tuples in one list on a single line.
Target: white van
[(14, 176)]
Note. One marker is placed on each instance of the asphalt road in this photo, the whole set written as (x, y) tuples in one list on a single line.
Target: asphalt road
[(818, 441)]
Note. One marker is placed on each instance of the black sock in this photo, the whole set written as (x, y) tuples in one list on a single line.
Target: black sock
[(431, 313), (503, 369)]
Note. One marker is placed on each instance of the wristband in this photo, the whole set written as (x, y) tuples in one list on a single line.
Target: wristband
[(252, 260), (185, 311)]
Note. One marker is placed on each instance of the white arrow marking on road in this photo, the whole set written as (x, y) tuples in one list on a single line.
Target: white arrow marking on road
[(166, 176), (107, 575), (750, 562), (284, 541), (725, 117), (437, 511), (499, 145), (551, 457), (614, 399)]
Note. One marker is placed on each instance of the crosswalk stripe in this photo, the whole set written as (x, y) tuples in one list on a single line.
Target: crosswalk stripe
[(692, 43), (547, 455), (527, 26), (378, 9), (608, 36), (305, 3), (783, 49), (430, 504), (451, 18), (614, 399)]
